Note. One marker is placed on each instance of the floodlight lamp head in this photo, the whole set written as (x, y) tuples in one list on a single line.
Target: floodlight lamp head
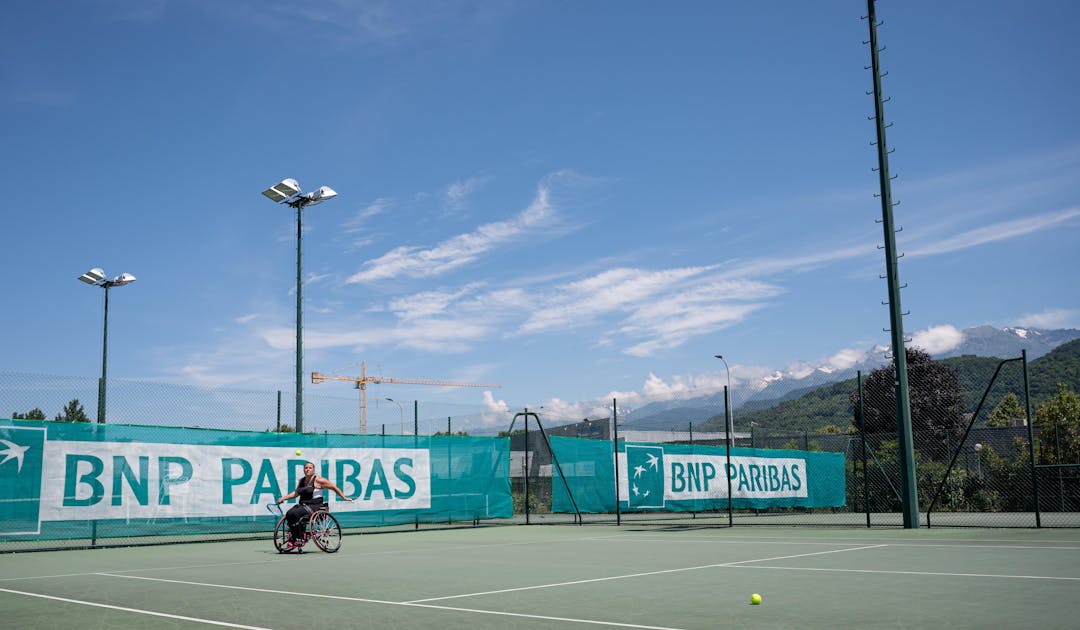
[(282, 191), (122, 279), (93, 276), (318, 196)]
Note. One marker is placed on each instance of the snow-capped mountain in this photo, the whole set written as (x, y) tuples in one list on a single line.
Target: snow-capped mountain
[(988, 341), (779, 385)]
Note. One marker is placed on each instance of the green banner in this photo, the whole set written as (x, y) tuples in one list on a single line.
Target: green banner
[(681, 477), (75, 480)]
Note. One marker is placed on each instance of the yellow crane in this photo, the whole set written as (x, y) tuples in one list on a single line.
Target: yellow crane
[(363, 380)]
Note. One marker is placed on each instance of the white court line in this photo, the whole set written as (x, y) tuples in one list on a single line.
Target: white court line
[(930, 573), (841, 539), (365, 553), (634, 575), (134, 610), (390, 603), (743, 541), (189, 566)]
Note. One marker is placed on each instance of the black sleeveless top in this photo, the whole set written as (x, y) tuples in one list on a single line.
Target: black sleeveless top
[(309, 494)]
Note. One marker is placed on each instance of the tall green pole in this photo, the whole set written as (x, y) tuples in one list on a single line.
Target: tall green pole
[(909, 495), (104, 361), (299, 326), (615, 442), (1031, 444)]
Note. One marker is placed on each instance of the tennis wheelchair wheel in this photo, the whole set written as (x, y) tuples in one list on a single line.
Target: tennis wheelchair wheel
[(325, 531), (281, 535)]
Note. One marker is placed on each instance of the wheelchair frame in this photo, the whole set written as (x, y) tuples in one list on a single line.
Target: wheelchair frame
[(320, 527)]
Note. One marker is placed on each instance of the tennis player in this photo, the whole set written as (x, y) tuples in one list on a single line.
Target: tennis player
[(310, 490)]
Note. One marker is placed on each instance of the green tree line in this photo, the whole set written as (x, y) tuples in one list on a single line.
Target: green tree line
[(832, 404), (72, 412)]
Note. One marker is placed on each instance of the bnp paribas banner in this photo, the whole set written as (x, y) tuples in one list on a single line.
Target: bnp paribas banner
[(679, 477), (58, 478)]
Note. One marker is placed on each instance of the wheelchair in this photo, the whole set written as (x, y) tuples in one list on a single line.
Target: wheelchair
[(320, 527)]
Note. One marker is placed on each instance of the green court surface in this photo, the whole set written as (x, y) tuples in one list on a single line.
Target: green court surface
[(565, 577)]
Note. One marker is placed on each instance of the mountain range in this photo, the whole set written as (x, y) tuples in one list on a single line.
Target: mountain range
[(984, 341)]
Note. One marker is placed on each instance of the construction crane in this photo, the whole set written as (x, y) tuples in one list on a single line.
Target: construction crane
[(364, 379)]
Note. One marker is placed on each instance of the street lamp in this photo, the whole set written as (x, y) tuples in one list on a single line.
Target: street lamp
[(730, 408), (96, 277), (288, 192), (402, 410)]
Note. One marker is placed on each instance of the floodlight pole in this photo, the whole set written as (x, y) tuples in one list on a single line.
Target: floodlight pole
[(104, 360), (299, 205), (96, 277), (909, 497), (288, 192)]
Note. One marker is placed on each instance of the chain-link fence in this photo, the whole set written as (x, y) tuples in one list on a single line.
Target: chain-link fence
[(978, 461), (154, 403)]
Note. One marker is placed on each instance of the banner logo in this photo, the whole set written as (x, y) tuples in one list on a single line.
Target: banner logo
[(645, 465), (22, 451)]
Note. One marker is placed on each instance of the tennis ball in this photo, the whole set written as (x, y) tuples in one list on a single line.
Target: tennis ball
[(755, 599), (297, 451)]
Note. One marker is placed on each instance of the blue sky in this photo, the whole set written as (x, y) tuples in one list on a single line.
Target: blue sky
[(573, 199)]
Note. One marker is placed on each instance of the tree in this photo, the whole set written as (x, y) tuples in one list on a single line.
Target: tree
[(829, 429), (73, 412), (934, 395), (1058, 421), (33, 414), (1006, 412)]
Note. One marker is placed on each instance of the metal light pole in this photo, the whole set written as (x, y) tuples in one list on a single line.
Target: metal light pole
[(402, 410), (96, 277), (909, 496), (727, 406), (288, 192)]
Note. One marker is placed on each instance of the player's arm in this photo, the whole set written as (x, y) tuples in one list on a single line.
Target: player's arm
[(285, 498), (329, 485)]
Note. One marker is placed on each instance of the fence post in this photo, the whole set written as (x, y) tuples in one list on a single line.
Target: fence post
[(449, 464), (416, 434), (865, 475), (526, 465), (615, 442), (1031, 441), (727, 471)]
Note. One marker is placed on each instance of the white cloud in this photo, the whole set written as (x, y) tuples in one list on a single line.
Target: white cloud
[(579, 302), (247, 319), (356, 222), (426, 304), (416, 262), (558, 409), (457, 194), (1052, 318), (997, 232), (680, 316), (937, 339), (494, 405), (848, 358)]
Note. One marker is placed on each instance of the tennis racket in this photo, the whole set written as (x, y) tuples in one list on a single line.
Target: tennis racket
[(274, 508)]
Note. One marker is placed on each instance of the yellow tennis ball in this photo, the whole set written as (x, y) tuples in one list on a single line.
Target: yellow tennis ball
[(297, 451), (755, 599)]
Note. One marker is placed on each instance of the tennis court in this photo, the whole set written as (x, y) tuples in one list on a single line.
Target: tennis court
[(565, 577)]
